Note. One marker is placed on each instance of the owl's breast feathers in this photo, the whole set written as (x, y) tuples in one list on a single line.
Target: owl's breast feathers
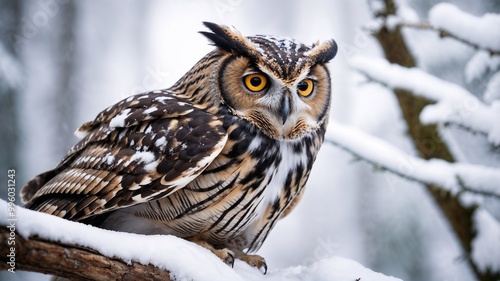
[(179, 168)]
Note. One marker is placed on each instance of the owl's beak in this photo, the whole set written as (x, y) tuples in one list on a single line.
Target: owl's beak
[(284, 108)]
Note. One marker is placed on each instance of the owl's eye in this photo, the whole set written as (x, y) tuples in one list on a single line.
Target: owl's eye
[(305, 87), (255, 82)]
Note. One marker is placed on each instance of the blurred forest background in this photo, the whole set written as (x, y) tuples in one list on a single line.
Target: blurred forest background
[(62, 62)]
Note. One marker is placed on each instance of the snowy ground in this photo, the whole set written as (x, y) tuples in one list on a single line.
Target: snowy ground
[(185, 260)]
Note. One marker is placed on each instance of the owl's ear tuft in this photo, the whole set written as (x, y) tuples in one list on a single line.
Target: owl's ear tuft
[(323, 53), (226, 38)]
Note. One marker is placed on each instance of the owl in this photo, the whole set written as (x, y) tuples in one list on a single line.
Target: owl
[(216, 159)]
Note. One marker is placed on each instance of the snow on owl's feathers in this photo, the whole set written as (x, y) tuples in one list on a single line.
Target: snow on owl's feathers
[(217, 159)]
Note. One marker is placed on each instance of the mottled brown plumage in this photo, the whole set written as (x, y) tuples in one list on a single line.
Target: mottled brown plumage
[(217, 159)]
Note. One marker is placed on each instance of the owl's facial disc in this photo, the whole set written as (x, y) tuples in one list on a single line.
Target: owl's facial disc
[(278, 84), (281, 108)]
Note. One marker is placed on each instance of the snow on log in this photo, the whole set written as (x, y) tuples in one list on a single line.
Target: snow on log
[(70, 245), (166, 252)]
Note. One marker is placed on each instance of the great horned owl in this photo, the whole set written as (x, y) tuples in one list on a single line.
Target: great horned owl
[(216, 159)]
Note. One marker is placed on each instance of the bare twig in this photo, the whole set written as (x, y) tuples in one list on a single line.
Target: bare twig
[(70, 261)]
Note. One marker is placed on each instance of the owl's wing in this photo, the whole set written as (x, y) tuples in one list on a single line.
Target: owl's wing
[(142, 148)]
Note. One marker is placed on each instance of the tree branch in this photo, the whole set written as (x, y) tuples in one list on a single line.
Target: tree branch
[(449, 103), (70, 261), (386, 168), (445, 33), (428, 141), (454, 177)]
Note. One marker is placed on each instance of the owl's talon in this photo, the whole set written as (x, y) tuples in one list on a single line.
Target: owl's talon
[(231, 256), (253, 260), (264, 265), (225, 255)]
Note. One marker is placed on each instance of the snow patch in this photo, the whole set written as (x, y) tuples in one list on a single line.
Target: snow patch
[(143, 157), (480, 63), (149, 129), (377, 6), (150, 167), (148, 158), (484, 31), (161, 142), (119, 120), (150, 110), (328, 269), (454, 104), (288, 45), (486, 244), (109, 159), (162, 99), (405, 14), (415, 79), (494, 133), (492, 91)]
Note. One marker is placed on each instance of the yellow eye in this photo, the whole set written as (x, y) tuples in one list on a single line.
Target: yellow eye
[(255, 82), (305, 87)]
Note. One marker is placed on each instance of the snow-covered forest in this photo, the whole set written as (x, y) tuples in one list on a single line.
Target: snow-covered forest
[(407, 183)]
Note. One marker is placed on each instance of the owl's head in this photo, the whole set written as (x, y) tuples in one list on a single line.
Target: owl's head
[(278, 84)]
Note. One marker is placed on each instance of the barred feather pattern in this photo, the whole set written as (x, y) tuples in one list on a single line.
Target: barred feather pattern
[(238, 199), (185, 161)]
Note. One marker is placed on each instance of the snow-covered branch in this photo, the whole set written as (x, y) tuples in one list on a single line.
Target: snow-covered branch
[(482, 32), (454, 104), (444, 103), (485, 253), (48, 244), (445, 33), (455, 177), (69, 261), (165, 252)]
